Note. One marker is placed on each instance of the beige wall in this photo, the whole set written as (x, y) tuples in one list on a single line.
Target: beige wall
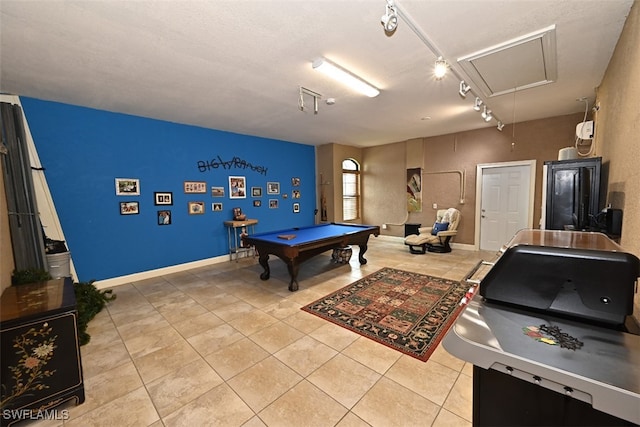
[(618, 129), (329, 160), (617, 136), (384, 179)]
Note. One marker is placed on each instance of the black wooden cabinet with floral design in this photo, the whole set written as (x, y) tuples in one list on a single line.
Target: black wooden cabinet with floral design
[(40, 366)]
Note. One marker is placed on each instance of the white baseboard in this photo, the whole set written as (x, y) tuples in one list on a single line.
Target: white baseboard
[(150, 274), (123, 280), (463, 246)]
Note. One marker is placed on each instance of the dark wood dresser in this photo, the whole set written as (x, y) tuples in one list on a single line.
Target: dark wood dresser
[(40, 366)]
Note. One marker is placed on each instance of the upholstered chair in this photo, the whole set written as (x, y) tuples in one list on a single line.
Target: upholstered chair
[(437, 237)]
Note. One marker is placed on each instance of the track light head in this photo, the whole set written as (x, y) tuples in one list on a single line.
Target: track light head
[(390, 19), (500, 126), (477, 104), (486, 114), (440, 68), (464, 89)]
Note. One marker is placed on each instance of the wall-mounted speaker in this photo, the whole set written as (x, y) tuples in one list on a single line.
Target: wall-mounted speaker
[(613, 221)]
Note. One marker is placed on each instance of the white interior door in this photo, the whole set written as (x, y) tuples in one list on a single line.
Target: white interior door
[(505, 204)]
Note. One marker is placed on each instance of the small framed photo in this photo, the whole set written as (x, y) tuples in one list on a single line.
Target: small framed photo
[(237, 187), (295, 194), (256, 191), (217, 191), (196, 208), (273, 188), (273, 204), (296, 208), (164, 217), (216, 207), (163, 198), (195, 187), (129, 208), (257, 203), (127, 187), (295, 182)]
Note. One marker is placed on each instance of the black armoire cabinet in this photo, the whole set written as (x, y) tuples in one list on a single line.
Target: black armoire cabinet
[(573, 193)]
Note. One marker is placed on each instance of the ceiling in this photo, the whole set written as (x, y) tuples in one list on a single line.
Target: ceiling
[(238, 65)]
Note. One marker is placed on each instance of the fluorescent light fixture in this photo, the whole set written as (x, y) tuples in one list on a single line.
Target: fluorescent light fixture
[(440, 68), (464, 89), (345, 77)]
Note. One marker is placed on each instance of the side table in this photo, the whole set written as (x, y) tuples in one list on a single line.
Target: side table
[(234, 230), (41, 366)]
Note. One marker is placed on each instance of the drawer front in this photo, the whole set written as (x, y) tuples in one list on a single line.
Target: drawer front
[(40, 362)]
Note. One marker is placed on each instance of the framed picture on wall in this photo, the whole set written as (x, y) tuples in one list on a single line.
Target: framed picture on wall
[(127, 187), (163, 198), (256, 191), (273, 188), (257, 203), (217, 191), (237, 187), (216, 207), (195, 187), (273, 204), (129, 208), (295, 182), (296, 208), (196, 208), (164, 217)]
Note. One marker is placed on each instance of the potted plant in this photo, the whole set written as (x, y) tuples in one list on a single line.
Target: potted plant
[(89, 299)]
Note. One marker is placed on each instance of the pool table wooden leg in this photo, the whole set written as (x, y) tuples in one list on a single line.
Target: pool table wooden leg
[(293, 272), (264, 262), (363, 249)]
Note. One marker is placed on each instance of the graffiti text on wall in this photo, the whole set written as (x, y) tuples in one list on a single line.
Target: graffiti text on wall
[(235, 163)]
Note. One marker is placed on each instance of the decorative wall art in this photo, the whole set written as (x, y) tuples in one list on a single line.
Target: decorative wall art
[(273, 188), (296, 208), (163, 198), (196, 208), (295, 194), (256, 191), (195, 187), (160, 167), (216, 207), (273, 204), (414, 190), (217, 191), (237, 187), (129, 208), (164, 217), (257, 203), (295, 182), (127, 187)]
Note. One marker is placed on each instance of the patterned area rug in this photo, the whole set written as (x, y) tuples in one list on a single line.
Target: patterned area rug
[(409, 312)]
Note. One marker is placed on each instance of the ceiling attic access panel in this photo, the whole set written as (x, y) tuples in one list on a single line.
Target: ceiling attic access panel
[(517, 64)]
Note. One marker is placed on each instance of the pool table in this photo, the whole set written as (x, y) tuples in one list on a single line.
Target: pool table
[(296, 245)]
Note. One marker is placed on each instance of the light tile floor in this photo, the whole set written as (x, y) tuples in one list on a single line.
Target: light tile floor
[(218, 346)]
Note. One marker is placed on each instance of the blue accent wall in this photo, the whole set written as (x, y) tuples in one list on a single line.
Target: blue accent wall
[(84, 150)]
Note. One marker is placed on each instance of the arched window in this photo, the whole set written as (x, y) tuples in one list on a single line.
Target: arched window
[(350, 190)]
